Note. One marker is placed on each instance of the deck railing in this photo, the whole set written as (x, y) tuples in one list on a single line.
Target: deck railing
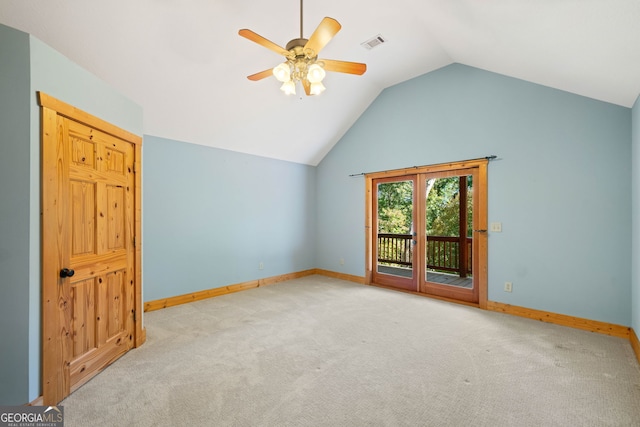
[(443, 253), (395, 249)]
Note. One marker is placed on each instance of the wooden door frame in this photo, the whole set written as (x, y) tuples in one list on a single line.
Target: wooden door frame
[(53, 382), (480, 238)]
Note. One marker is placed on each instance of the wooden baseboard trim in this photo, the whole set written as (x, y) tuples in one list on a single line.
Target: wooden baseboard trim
[(216, 292), (635, 343), (38, 401), (561, 319), (343, 276)]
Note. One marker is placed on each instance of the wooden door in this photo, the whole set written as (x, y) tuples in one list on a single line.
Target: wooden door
[(450, 260), (396, 251), (90, 282)]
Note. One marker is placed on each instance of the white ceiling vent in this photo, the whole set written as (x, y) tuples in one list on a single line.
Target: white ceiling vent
[(373, 42)]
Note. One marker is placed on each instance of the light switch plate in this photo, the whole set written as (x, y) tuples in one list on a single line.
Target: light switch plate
[(496, 227)]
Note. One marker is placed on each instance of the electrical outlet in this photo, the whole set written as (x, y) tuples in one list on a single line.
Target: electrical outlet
[(341, 261), (508, 286), (261, 266)]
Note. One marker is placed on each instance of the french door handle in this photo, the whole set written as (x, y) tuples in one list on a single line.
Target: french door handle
[(480, 231), (66, 272)]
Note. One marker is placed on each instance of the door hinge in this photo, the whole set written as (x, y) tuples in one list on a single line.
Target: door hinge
[(135, 169), (134, 241), (134, 316)]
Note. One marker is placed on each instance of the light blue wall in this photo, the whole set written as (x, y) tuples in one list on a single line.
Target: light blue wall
[(635, 286), (27, 66), (54, 74), (211, 216), (14, 216), (560, 188)]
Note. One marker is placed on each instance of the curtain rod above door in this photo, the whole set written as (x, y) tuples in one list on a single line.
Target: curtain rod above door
[(488, 158)]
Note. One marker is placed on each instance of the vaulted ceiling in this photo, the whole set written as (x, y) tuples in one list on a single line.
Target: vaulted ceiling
[(185, 64)]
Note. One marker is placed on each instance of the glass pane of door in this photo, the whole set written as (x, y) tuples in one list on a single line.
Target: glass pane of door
[(395, 232), (449, 231)]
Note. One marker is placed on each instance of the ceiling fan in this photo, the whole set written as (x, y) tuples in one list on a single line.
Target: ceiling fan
[(302, 64)]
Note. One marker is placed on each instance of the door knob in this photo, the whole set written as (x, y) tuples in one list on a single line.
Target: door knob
[(66, 272)]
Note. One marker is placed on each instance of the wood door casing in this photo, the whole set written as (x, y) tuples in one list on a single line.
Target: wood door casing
[(477, 167), (90, 192)]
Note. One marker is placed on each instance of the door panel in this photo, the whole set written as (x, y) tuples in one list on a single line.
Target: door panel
[(89, 223), (395, 237), (449, 218), (115, 217), (83, 201), (83, 317)]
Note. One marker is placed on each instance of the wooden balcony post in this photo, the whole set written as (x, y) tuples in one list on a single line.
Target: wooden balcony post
[(462, 248)]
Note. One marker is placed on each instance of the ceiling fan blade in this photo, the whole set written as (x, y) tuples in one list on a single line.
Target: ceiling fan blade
[(344, 66), (261, 75), (328, 28), (257, 38), (307, 87)]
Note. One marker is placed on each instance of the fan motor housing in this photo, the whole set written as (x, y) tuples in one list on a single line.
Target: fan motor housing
[(296, 43)]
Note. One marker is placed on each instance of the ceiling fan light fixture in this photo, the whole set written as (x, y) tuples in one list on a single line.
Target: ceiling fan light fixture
[(288, 87), (315, 74), (302, 64), (282, 72), (317, 88)]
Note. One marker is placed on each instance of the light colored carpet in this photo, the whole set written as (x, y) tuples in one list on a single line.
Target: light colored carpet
[(318, 351)]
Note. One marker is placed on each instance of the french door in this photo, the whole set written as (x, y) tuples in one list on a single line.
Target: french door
[(428, 231)]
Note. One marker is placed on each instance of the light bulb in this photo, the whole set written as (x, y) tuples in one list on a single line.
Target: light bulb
[(282, 72), (317, 88), (288, 87), (315, 74)]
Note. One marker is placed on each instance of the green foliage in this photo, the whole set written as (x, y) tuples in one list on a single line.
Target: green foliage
[(395, 202), (395, 207), (443, 215)]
